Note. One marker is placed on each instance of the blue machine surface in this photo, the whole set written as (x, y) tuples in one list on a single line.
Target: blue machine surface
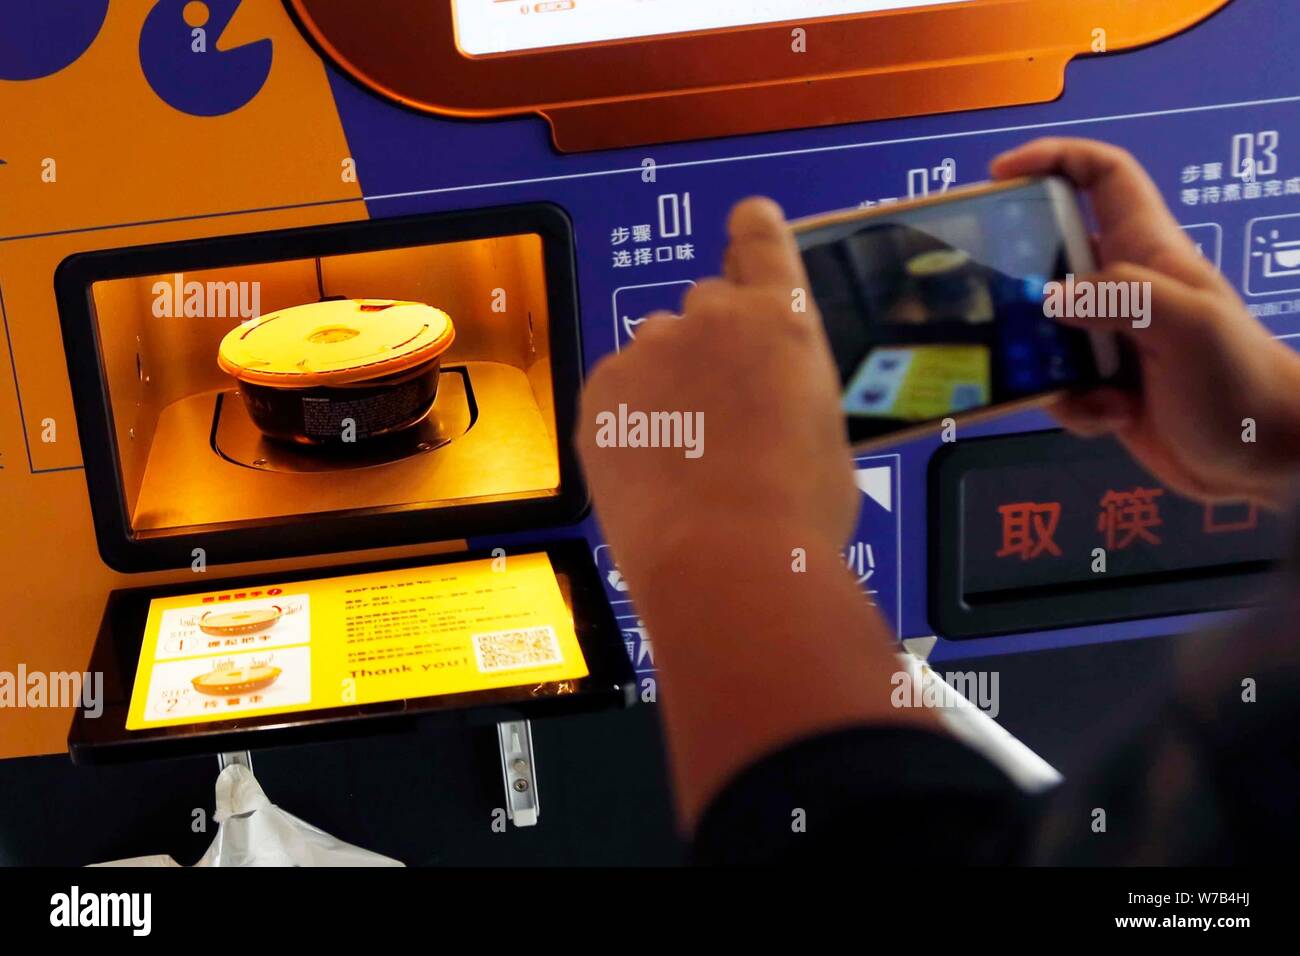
[(1193, 109)]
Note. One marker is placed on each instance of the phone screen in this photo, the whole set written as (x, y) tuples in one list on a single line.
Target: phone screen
[(938, 310)]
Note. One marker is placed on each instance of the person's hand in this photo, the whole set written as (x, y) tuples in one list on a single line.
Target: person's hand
[(734, 557), (1208, 368), (748, 360)]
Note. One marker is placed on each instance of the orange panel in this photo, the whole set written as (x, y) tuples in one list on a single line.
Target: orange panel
[(131, 170), (980, 53)]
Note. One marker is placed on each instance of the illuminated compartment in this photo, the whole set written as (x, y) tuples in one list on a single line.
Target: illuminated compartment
[(175, 460)]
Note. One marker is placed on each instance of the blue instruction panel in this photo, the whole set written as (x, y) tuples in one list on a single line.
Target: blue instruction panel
[(1222, 143)]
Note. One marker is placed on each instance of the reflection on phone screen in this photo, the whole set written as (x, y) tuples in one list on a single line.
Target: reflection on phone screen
[(938, 310)]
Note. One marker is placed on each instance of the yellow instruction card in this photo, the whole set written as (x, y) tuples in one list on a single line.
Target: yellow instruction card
[(943, 380), (919, 382), (336, 642)]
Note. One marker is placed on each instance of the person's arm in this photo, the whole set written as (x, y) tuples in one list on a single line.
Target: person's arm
[(763, 641), (1204, 771), (1218, 412), (733, 557), (755, 655)]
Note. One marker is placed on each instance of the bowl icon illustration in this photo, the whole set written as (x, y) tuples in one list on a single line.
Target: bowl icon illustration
[(1281, 257), (1287, 258), (236, 680), (232, 623)]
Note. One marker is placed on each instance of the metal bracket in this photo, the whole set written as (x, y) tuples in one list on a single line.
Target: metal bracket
[(241, 757), (518, 771)]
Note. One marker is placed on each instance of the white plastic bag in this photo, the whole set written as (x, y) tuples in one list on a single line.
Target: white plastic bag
[(253, 831)]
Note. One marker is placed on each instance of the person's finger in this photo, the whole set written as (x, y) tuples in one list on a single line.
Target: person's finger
[(1131, 212), (1154, 454), (655, 326), (1100, 411), (1094, 243), (1118, 185), (730, 272), (1148, 308), (710, 297), (762, 251)]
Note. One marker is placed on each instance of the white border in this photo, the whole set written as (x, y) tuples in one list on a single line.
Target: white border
[(618, 325), (898, 530), (1218, 239), (1245, 279)]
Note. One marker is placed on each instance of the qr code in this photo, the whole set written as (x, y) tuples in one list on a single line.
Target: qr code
[(515, 650), (967, 396)]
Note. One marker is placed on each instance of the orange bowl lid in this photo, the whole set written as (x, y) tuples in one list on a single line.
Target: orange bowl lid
[(237, 679), (239, 619), (335, 343)]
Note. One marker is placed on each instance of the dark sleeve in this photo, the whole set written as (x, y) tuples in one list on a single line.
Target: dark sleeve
[(1208, 771), (867, 795), (1210, 775)]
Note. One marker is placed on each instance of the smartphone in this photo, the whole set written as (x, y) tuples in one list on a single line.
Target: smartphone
[(934, 307)]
